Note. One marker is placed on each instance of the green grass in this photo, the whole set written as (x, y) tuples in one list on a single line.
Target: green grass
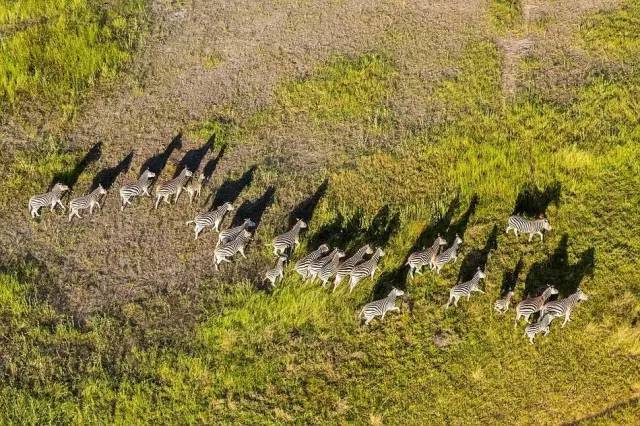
[(54, 51), (506, 14), (297, 354), (614, 34)]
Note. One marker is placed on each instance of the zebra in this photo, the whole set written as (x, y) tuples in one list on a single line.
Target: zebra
[(466, 288), (502, 305), (330, 268), (365, 269), (380, 307), (423, 257), (237, 245), (89, 201), (541, 326), (288, 240), (447, 256), (210, 219), (530, 306), (526, 226), (563, 308), (51, 199), (229, 234), (302, 265), (345, 268), (272, 275), (316, 265), (174, 186), (194, 187), (136, 189)]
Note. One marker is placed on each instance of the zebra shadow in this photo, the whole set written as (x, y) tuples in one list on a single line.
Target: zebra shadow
[(305, 209), (212, 164), (439, 223), (254, 209), (460, 226), (510, 277), (557, 271), (533, 202), (158, 162), (70, 178), (192, 158), (478, 258), (231, 189), (107, 177)]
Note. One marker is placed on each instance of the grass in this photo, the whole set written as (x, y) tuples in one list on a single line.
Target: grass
[(614, 34), (296, 354), (54, 51)]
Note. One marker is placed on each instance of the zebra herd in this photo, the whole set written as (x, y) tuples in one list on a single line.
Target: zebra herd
[(324, 264)]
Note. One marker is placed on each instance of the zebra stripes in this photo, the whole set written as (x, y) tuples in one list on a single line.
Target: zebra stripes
[(210, 219), (194, 188), (316, 265), (272, 275), (449, 255), (345, 268), (229, 234), (89, 201), (302, 265), (365, 269), (237, 245), (421, 258), (563, 307), (465, 289), (174, 186), (380, 307), (51, 199), (136, 189), (541, 326), (502, 305), (526, 226), (330, 268), (530, 306), (289, 240)]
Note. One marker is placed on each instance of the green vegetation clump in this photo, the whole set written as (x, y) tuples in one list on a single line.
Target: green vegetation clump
[(53, 51), (506, 14), (614, 34)]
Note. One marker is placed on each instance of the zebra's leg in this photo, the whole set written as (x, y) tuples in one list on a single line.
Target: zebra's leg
[(455, 301), (507, 230), (448, 302), (531, 337), (531, 236), (515, 231), (157, 202), (541, 236), (566, 319), (178, 194), (241, 250), (167, 199), (70, 216), (59, 202)]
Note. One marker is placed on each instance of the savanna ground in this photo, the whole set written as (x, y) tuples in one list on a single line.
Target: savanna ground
[(380, 122)]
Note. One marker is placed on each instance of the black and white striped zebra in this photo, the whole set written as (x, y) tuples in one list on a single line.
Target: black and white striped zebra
[(302, 265), (237, 245), (423, 257), (449, 255), (530, 306), (210, 219), (345, 268), (540, 326), (136, 189), (194, 187), (317, 264), (380, 307), (289, 240), (330, 268), (50, 199), (526, 226), (502, 305), (229, 234), (89, 201), (466, 288), (272, 275), (174, 186), (563, 307), (365, 269)]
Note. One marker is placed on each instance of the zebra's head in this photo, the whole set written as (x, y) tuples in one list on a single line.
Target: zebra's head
[(282, 259), (101, 190), (582, 295), (340, 254), (301, 224), (546, 225), (396, 292), (188, 173), (380, 252), (246, 234), (552, 290), (323, 248), (148, 173), (441, 241), (480, 273), (458, 240), (229, 207), (60, 187), (509, 294), (368, 249), (249, 223)]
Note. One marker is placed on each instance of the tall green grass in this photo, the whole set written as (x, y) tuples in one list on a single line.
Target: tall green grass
[(53, 51)]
